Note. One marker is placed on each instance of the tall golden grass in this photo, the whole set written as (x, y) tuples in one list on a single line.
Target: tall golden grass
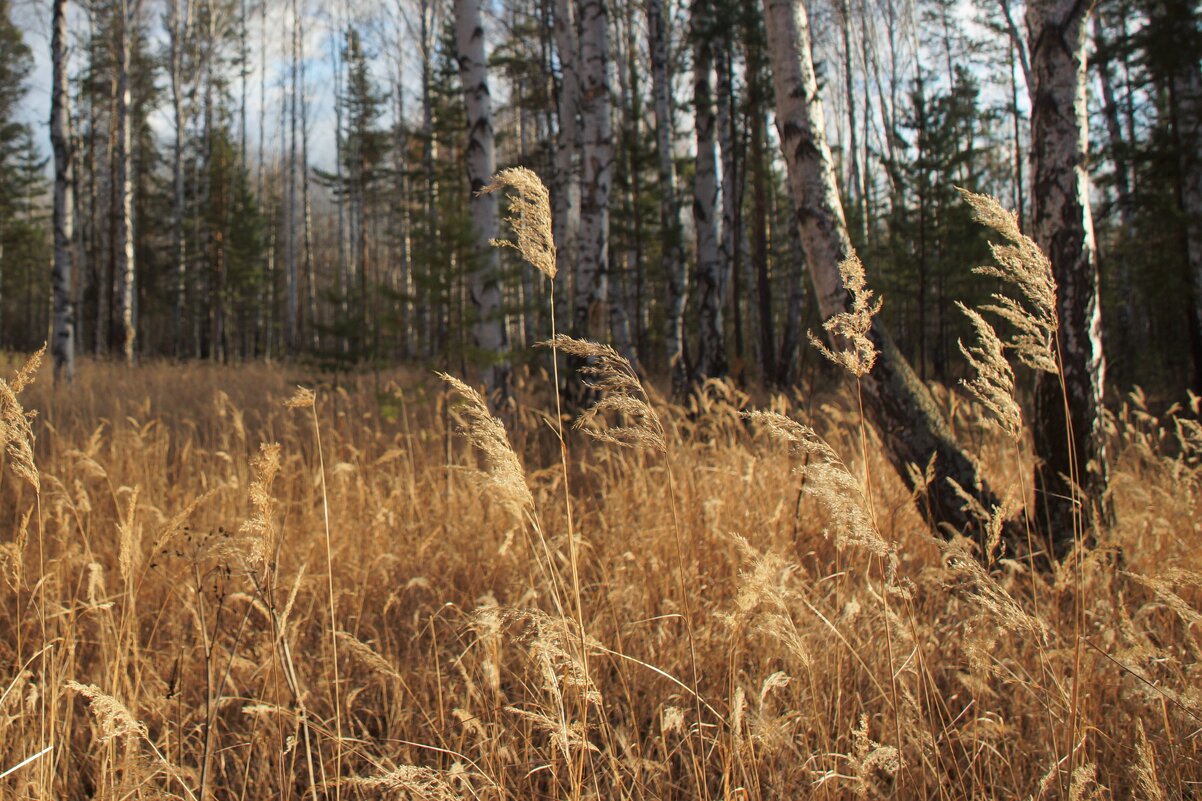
[(245, 583), (166, 625)]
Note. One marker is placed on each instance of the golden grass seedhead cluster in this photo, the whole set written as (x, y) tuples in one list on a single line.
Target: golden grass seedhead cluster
[(1026, 268), (15, 429), (412, 781), (993, 382), (622, 395), (113, 717), (830, 482), (852, 328), (260, 526), (504, 475), (529, 216), (302, 398)]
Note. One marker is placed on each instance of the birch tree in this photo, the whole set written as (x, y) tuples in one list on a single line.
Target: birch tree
[(63, 347), (592, 298), (124, 272), (566, 198), (488, 330), (1073, 450), (910, 425), (179, 26), (672, 258)]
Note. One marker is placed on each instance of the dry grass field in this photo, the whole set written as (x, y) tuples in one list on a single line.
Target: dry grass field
[(207, 593)]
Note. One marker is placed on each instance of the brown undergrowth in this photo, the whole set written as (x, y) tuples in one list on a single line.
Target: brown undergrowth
[(166, 600)]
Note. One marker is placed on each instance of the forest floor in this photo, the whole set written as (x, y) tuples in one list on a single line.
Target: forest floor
[(375, 610)]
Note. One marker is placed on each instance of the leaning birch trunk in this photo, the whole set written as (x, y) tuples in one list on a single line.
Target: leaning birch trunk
[(124, 246), (1063, 227), (675, 274), (60, 137), (899, 406), (591, 297), (711, 352), (488, 329)]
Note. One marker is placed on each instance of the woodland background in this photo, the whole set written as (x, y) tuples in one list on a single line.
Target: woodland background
[(297, 182)]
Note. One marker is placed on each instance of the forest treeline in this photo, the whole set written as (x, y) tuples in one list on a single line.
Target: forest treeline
[(204, 223)]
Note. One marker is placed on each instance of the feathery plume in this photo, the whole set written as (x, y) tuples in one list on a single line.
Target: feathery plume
[(504, 474), (260, 526), (366, 656), (830, 482), (622, 394), (993, 384), (114, 718), (529, 216), (303, 398), (1145, 766), (16, 433), (1026, 268), (852, 327), (409, 781)]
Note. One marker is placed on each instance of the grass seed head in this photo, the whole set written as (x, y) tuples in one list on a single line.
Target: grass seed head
[(529, 216), (993, 384), (852, 329), (503, 472), (113, 717), (1028, 271), (621, 395)]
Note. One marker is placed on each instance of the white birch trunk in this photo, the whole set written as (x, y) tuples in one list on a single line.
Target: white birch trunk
[(672, 257), (1063, 227), (124, 245), (566, 213), (909, 423), (60, 136), (592, 301), (484, 289)]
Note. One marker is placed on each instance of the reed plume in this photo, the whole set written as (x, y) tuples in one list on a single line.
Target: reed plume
[(852, 328), (503, 474), (621, 394), (1026, 269), (529, 216)]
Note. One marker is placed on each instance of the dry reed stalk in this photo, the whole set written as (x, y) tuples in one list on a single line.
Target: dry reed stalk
[(304, 398)]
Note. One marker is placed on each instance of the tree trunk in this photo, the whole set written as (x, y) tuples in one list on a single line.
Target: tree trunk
[(672, 255), (1063, 227), (179, 25), (306, 199), (711, 349), (1185, 99), (566, 213), (488, 328), (122, 178), (292, 297), (60, 136), (592, 299), (1129, 327), (910, 425)]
